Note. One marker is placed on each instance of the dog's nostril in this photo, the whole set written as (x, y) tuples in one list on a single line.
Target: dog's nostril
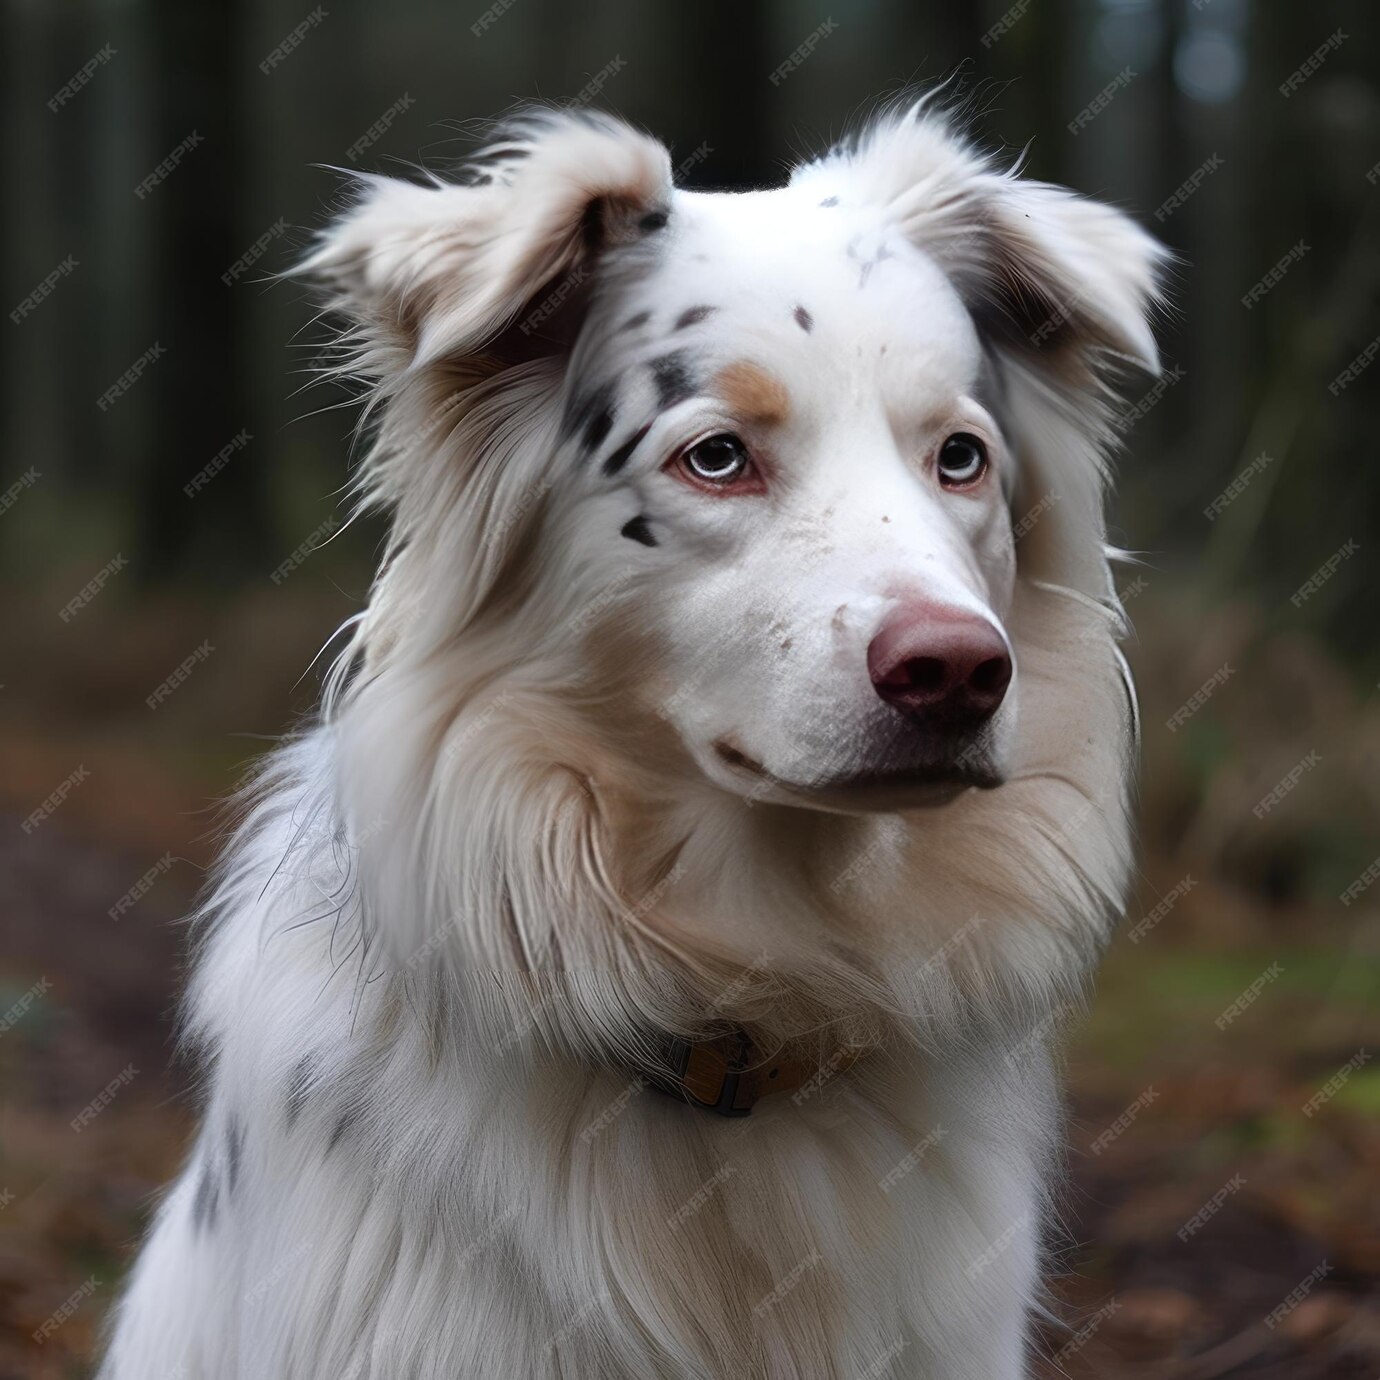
[(991, 674), (926, 673)]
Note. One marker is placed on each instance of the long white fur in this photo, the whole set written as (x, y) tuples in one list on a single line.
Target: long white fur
[(458, 910)]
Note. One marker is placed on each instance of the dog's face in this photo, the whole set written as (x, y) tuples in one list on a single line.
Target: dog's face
[(738, 470), (779, 419)]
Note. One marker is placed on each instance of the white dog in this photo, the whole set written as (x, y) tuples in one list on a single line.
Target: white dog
[(737, 715)]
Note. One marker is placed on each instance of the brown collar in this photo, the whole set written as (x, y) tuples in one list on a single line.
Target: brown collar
[(730, 1074)]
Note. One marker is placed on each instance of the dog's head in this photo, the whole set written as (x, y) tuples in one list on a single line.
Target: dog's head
[(747, 492)]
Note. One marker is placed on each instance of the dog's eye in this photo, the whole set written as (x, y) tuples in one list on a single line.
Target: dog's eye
[(717, 461), (962, 460)]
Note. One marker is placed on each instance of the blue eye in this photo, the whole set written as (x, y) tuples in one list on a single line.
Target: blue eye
[(962, 460)]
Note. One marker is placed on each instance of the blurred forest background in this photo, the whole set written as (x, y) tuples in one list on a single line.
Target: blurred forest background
[(165, 463)]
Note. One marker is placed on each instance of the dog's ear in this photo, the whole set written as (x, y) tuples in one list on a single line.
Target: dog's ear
[(493, 268), (1043, 270)]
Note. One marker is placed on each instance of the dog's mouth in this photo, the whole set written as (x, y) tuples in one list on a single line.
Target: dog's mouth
[(916, 786)]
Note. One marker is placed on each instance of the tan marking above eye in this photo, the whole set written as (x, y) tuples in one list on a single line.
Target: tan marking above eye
[(752, 393)]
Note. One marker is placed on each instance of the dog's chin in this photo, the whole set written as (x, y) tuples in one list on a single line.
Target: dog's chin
[(887, 788)]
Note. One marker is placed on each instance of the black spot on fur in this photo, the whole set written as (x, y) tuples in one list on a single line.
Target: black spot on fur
[(204, 1204), (674, 382), (344, 1124), (234, 1145), (692, 317), (591, 415), (654, 220), (830, 201), (298, 1082), (634, 323), (636, 529), (620, 457), (804, 320)]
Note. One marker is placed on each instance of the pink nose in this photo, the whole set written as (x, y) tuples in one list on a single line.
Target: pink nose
[(940, 665)]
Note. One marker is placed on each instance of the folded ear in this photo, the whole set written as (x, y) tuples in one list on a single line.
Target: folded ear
[(1041, 268), (491, 269)]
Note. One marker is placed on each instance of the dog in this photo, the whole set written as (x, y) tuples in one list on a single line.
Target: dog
[(650, 963)]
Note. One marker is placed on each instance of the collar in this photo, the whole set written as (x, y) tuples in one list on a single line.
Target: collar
[(730, 1074)]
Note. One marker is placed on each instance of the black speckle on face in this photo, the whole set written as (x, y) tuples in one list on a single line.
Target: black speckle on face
[(297, 1087), (344, 1124), (654, 220), (204, 1204), (635, 323), (804, 320), (636, 529), (691, 317), (234, 1145), (591, 415), (674, 382), (830, 201), (619, 457)]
